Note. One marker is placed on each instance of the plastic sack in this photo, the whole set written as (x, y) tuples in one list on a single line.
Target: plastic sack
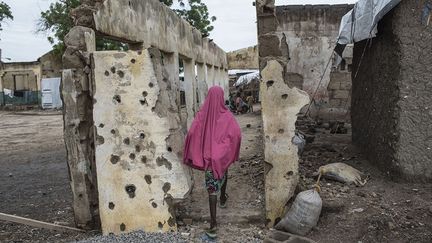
[(343, 173), (303, 215), (300, 142)]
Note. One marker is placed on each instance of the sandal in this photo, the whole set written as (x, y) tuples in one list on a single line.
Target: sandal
[(211, 233), (223, 205)]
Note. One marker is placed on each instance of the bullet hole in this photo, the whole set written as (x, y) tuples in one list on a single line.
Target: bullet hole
[(144, 159), (284, 96), (151, 56), (290, 173), (111, 205), (144, 102), (114, 159), (106, 73), (161, 161), (126, 141), (166, 187), (169, 149), (270, 83), (80, 195), (148, 179), (113, 69), (154, 205), (101, 125), (122, 227), (145, 93), (120, 74), (133, 60), (160, 225), (130, 189), (113, 131), (281, 131), (171, 222), (100, 140), (312, 70), (151, 85), (142, 135), (248, 125), (137, 148), (153, 109), (117, 99), (132, 156)]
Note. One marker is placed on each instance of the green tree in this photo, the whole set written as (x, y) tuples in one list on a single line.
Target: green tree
[(56, 22), (5, 13)]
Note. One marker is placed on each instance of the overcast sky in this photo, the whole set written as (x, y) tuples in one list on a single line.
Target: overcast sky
[(235, 26)]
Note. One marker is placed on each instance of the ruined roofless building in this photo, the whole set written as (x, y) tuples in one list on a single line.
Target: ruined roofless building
[(123, 130)]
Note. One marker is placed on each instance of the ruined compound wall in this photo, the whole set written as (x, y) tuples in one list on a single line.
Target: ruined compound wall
[(392, 95), (281, 102), (310, 33), (246, 58), (123, 129)]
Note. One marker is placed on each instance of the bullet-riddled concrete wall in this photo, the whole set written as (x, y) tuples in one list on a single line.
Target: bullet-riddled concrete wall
[(138, 141), (392, 94), (134, 103), (281, 102)]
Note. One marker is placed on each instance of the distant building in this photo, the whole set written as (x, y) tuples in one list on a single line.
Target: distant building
[(20, 82)]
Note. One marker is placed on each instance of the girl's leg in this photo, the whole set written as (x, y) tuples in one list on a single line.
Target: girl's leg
[(212, 203), (223, 195)]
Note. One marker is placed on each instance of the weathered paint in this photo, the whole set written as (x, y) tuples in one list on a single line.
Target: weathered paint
[(136, 20), (138, 155), (280, 105)]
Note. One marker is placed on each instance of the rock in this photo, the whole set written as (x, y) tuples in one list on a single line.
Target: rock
[(391, 226), (188, 221), (357, 210), (361, 194), (10, 175)]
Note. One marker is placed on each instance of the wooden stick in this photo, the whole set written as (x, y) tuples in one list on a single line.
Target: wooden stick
[(36, 223)]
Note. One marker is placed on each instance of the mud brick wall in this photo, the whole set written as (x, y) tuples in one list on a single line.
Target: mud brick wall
[(392, 94), (123, 130)]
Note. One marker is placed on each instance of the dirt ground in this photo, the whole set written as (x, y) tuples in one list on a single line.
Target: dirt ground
[(34, 183)]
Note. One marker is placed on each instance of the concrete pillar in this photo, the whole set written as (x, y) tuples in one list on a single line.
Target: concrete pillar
[(190, 89), (201, 82), (226, 83), (76, 92), (280, 106)]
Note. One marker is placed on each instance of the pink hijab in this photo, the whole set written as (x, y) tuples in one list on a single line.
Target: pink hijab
[(213, 140)]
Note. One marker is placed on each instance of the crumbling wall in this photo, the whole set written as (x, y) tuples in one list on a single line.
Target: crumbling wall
[(133, 99), (310, 33), (281, 102), (391, 96), (246, 58)]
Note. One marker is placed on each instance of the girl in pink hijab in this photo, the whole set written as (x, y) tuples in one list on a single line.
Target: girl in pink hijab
[(212, 145)]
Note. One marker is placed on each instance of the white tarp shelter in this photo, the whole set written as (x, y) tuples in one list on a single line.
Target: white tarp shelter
[(247, 78), (361, 22)]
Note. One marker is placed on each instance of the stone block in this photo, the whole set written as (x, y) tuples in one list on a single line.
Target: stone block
[(340, 94), (333, 85)]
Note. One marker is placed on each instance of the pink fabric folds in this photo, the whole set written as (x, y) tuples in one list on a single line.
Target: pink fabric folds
[(214, 138)]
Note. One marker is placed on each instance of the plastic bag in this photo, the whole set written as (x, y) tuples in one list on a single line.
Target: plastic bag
[(343, 173), (300, 141), (303, 215)]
